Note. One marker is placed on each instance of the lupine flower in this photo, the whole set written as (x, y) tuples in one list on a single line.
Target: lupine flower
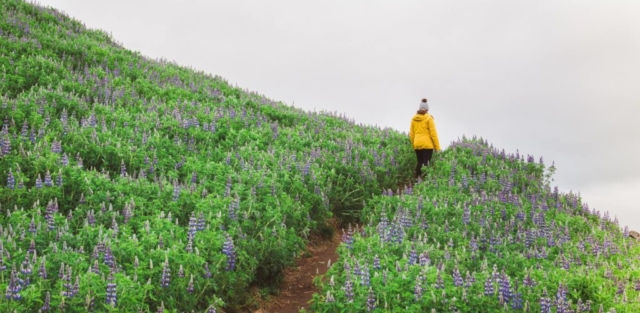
[(348, 288), (207, 272), (47, 303), (95, 268), (457, 278), (166, 274), (376, 262), (47, 179), (109, 260), (439, 282), (176, 191), (111, 290), (488, 287), (32, 226), (413, 255), (190, 286), (201, 223), (15, 286), (123, 169), (424, 259), (371, 300), (228, 251), (192, 226), (11, 181), (417, 290), (38, 183), (545, 303)]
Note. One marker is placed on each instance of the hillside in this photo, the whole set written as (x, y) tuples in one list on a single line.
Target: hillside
[(138, 185), (485, 232)]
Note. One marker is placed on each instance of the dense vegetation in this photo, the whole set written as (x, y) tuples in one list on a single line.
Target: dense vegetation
[(131, 184), (484, 232), (136, 185)]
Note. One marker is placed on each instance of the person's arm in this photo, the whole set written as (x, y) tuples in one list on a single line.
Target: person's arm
[(434, 134), (411, 133)]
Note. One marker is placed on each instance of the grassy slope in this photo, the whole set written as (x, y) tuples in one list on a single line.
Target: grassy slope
[(144, 147), (485, 230)]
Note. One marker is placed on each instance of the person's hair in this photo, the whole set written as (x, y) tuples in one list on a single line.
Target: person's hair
[(424, 99), (422, 111)]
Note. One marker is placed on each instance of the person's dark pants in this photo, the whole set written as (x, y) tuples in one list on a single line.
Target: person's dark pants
[(424, 158)]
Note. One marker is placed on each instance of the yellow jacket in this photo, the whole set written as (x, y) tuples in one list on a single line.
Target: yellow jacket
[(423, 132)]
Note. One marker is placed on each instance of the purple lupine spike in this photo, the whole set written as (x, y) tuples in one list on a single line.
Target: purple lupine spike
[(371, 300), (189, 247), (32, 226), (228, 187), (181, 271), (95, 268), (365, 277), (232, 211), (488, 287), (176, 191), (46, 307), (545, 302), (111, 298), (348, 288), (505, 287), (376, 262), (457, 277), (413, 255), (123, 169), (15, 286), (469, 280), (109, 260), (76, 286), (11, 181), (439, 282), (201, 223), (166, 274), (42, 270), (190, 286), (64, 160), (38, 183), (207, 272), (417, 290), (56, 147), (91, 218), (228, 250), (424, 258), (211, 309)]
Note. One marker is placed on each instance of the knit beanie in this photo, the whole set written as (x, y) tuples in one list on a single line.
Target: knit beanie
[(424, 106)]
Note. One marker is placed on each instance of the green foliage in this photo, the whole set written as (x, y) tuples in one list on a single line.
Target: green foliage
[(490, 218), (138, 151)]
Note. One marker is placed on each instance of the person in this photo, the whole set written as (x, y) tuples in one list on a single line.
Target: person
[(423, 136)]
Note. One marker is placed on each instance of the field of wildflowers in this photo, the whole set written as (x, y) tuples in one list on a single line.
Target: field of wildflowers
[(484, 232), (136, 185)]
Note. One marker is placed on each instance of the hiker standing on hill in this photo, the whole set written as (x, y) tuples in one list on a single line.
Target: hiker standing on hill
[(423, 136)]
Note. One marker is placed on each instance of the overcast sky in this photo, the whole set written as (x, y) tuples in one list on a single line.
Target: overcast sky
[(558, 79)]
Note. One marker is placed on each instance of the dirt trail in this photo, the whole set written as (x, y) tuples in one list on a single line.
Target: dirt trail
[(298, 288)]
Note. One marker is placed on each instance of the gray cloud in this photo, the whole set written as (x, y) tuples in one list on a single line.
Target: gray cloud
[(551, 78)]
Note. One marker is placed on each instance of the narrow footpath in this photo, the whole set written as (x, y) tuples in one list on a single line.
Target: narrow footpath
[(298, 288)]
